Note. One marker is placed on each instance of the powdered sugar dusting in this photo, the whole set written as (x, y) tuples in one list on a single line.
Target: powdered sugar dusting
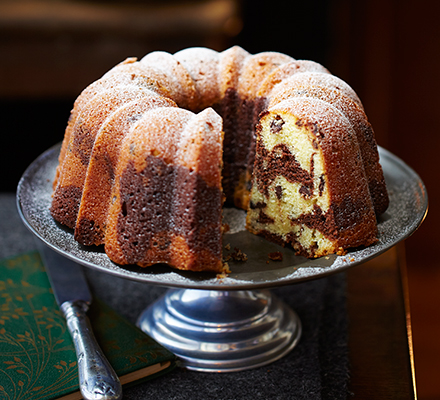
[(202, 65), (256, 68), (290, 88), (102, 104), (327, 80), (158, 133), (316, 111), (200, 148), (287, 70), (230, 65), (186, 95)]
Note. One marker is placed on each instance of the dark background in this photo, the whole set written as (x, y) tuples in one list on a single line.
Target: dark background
[(388, 51)]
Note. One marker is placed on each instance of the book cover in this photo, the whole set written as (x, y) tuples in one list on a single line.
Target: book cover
[(37, 355)]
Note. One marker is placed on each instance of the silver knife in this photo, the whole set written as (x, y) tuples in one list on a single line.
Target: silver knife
[(97, 379)]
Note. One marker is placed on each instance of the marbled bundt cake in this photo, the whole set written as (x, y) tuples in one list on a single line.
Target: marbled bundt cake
[(154, 148)]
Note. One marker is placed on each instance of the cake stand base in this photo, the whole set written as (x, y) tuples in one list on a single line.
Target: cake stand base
[(222, 331)]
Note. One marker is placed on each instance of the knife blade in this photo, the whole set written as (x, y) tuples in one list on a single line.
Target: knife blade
[(97, 379)]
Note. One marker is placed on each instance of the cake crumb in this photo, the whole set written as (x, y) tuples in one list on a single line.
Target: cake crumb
[(228, 247), (225, 271), (225, 228), (238, 255), (276, 256), (341, 252)]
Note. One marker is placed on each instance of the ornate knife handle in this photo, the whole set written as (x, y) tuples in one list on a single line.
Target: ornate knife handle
[(97, 379)]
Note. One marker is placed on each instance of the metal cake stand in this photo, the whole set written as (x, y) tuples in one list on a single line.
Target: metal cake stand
[(231, 323)]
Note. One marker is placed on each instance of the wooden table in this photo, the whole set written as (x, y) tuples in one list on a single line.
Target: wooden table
[(380, 341)]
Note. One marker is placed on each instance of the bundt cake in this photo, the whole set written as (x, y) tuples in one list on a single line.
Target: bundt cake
[(154, 149)]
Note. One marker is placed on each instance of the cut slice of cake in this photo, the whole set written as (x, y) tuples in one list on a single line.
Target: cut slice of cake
[(309, 186)]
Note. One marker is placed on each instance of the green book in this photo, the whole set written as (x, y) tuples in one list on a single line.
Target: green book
[(37, 355)]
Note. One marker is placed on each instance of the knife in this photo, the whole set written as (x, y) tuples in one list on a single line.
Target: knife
[(97, 379)]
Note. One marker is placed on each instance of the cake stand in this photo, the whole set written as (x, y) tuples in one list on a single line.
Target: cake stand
[(230, 323)]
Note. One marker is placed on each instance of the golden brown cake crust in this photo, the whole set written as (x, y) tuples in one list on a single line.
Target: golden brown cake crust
[(285, 71), (203, 66), (325, 80), (256, 68), (185, 93)]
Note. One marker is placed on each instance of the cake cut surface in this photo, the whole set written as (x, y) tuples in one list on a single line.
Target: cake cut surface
[(154, 148), (306, 193)]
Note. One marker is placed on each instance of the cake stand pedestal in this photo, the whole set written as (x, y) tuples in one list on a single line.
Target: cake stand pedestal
[(222, 331), (232, 323)]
